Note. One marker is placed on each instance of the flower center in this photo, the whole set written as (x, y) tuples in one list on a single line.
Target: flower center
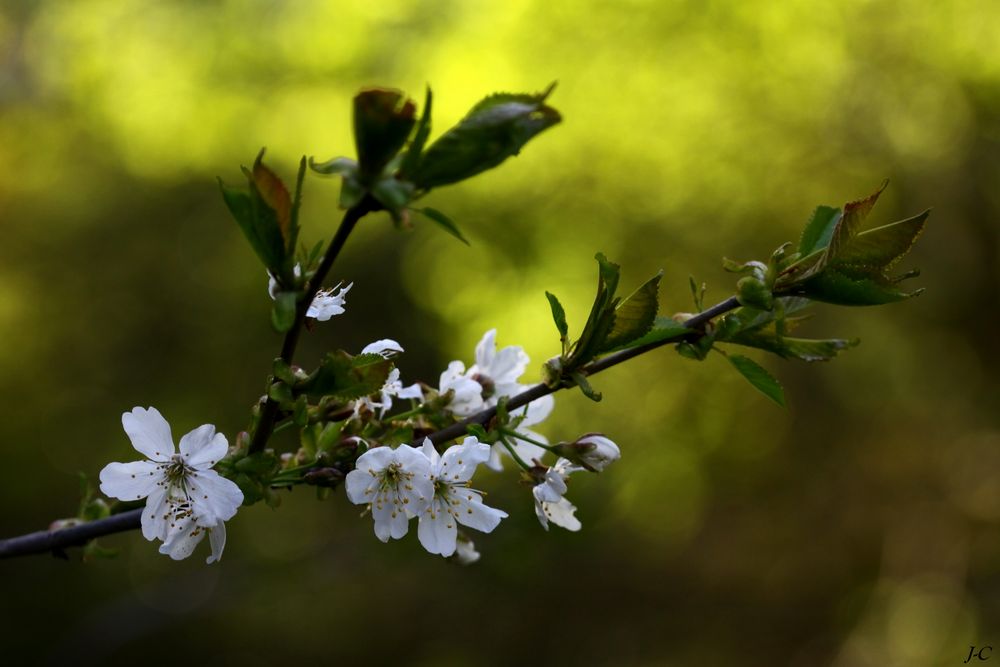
[(486, 382), (177, 469), (393, 476)]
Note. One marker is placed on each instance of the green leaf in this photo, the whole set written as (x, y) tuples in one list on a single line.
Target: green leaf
[(634, 316), (850, 223), (283, 311), (494, 130), (819, 230), (558, 316), (806, 349), (602, 314), (382, 122), (756, 375), (664, 328), (412, 158), (882, 247), (345, 377), (274, 200), (262, 231), (443, 221), (834, 286)]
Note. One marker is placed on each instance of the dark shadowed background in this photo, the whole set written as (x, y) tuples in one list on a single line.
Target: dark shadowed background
[(859, 527)]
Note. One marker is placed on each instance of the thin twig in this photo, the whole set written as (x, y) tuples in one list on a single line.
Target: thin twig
[(56, 541)]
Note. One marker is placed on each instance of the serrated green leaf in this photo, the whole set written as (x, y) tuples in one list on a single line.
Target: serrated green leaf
[(345, 377), (283, 311), (833, 286), (849, 225), (494, 130), (819, 230), (635, 314), (880, 248), (383, 120), (558, 315), (443, 221), (412, 159), (756, 375)]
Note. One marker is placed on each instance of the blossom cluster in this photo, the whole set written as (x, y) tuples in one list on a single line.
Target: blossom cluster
[(186, 499)]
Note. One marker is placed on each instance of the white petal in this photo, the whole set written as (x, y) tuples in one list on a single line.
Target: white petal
[(485, 350), (428, 450), (459, 462), (130, 481), (494, 462), (471, 511), (385, 347), (375, 459), (361, 486), (437, 530), (217, 538), (540, 513), (413, 391), (155, 525), (203, 447), (562, 514), (508, 365), (182, 540), (149, 433), (213, 497)]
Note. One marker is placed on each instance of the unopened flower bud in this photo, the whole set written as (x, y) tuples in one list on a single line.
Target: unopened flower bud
[(593, 451)]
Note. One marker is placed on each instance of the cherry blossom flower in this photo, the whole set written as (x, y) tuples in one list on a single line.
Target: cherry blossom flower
[(454, 502), (550, 505), (325, 304), (395, 484), (184, 496)]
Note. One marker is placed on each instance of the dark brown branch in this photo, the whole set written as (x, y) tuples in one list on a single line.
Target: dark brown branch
[(56, 541)]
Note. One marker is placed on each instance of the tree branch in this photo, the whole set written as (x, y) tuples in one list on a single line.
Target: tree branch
[(269, 413), (57, 540)]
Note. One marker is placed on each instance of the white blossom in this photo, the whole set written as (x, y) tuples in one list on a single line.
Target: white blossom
[(325, 304), (550, 505), (395, 484), (468, 397), (454, 502), (328, 303), (185, 498)]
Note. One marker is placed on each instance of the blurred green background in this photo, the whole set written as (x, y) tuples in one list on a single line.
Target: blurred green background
[(859, 527)]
